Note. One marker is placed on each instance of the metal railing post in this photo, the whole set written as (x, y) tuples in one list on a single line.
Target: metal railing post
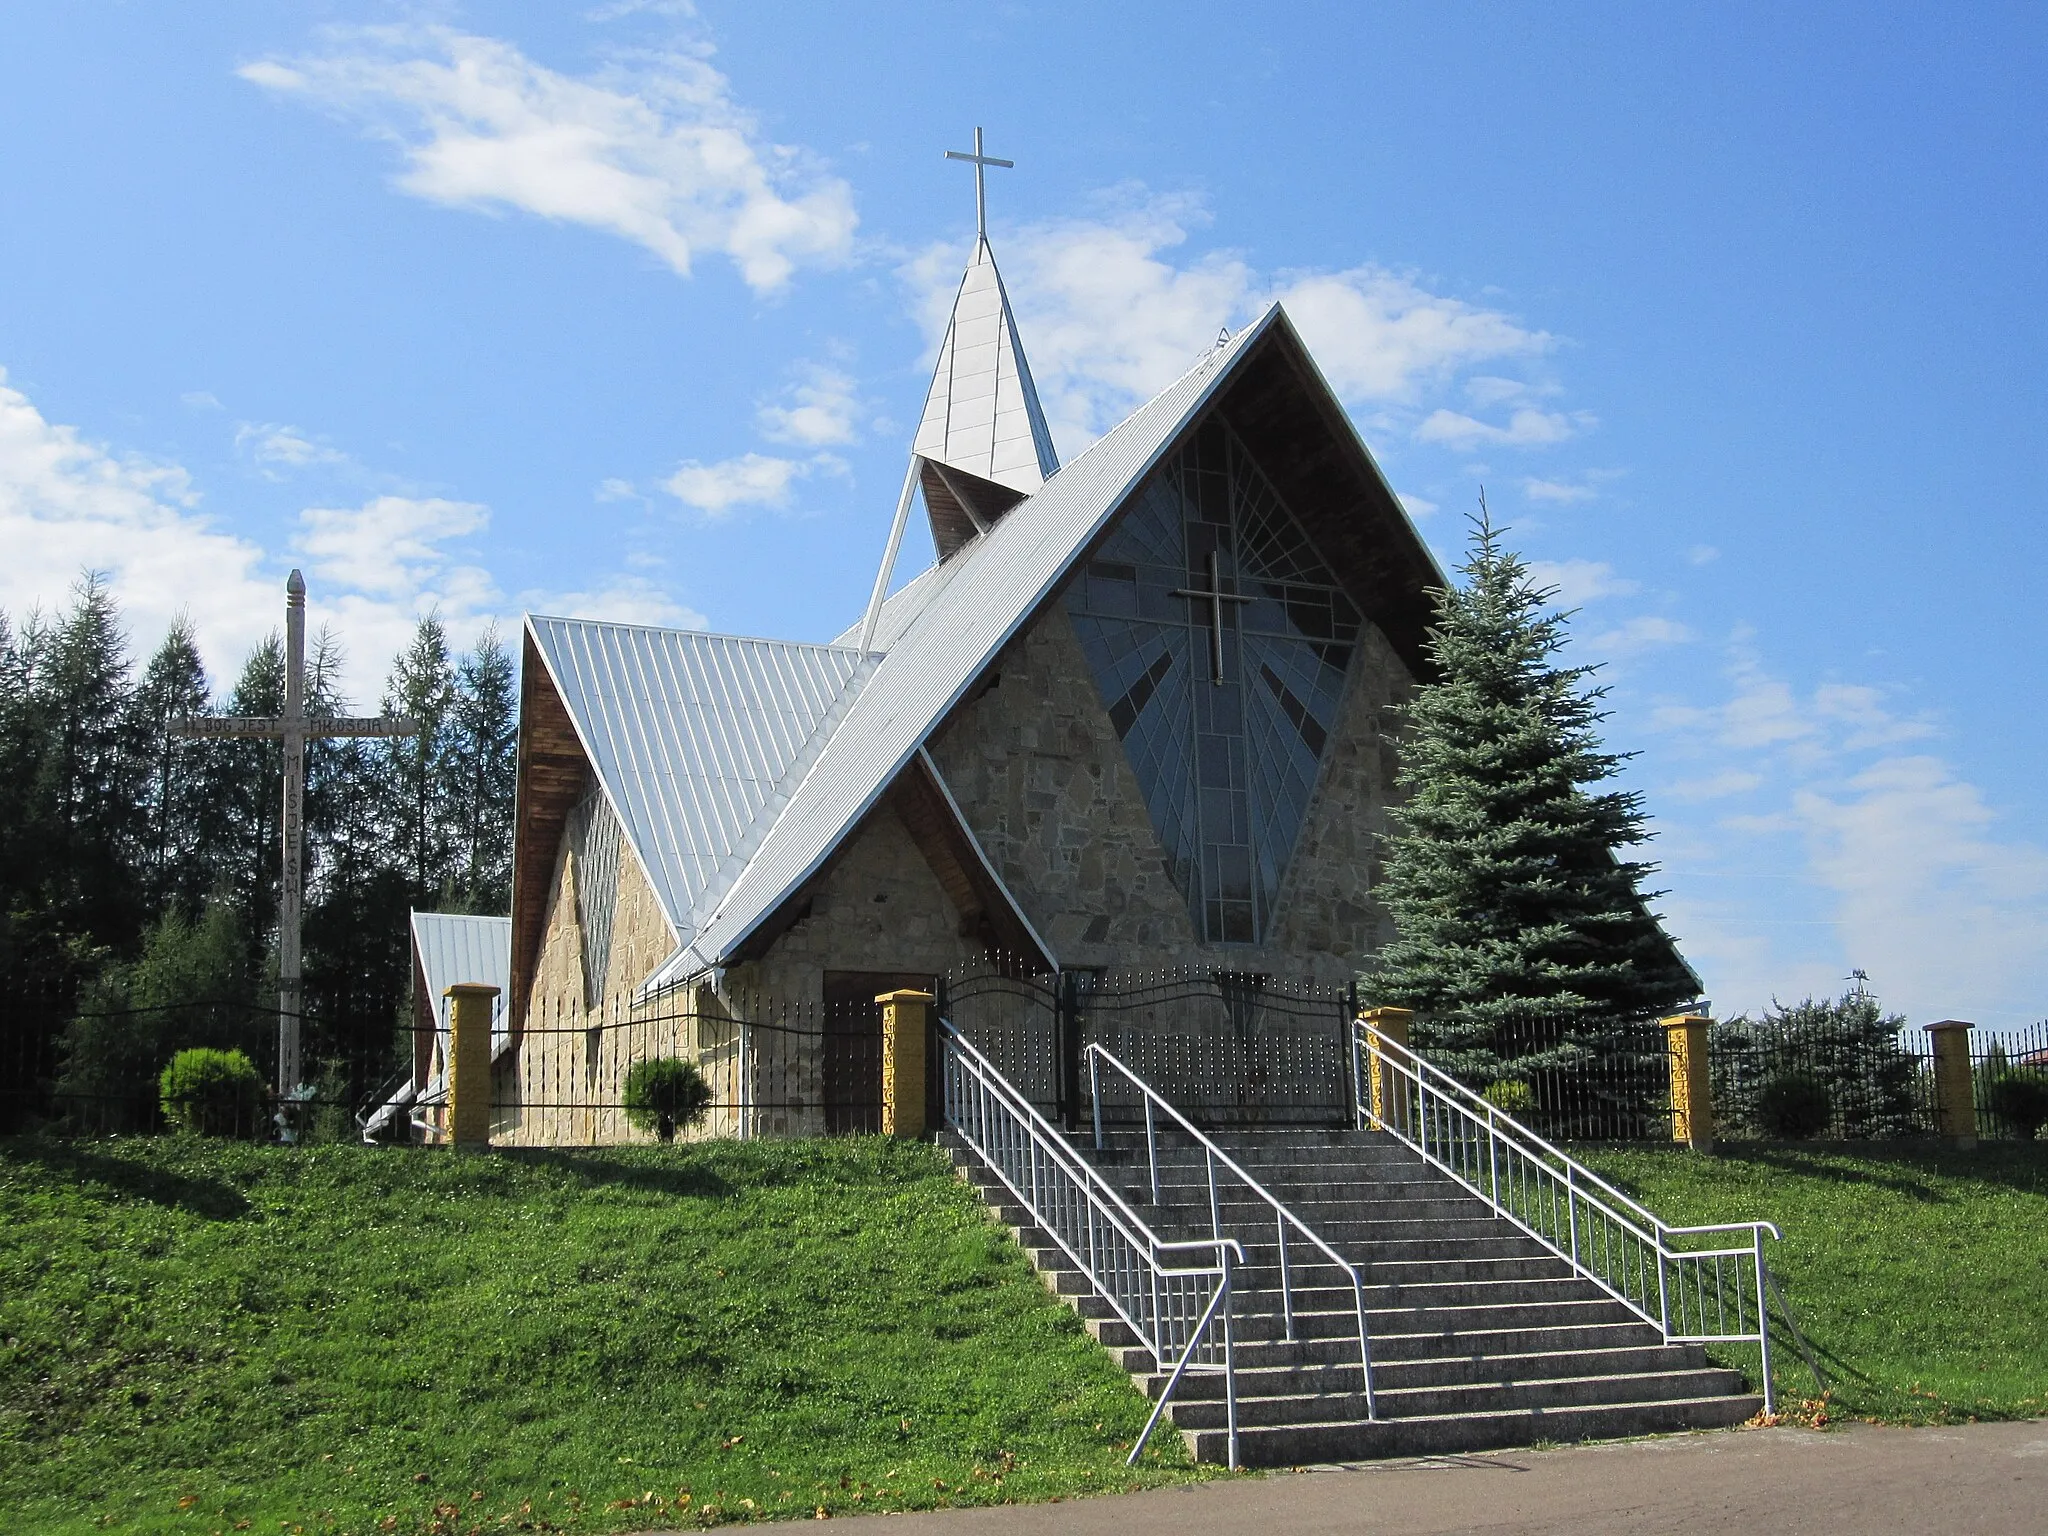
[(1095, 1096), (1152, 1148), (1571, 1210), (1286, 1275), (1229, 1357), (1763, 1323), (1215, 1214)]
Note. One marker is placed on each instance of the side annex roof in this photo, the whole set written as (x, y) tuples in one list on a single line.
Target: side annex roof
[(697, 740)]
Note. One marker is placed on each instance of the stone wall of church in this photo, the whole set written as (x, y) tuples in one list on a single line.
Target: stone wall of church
[(573, 1059), (1042, 778), (878, 908)]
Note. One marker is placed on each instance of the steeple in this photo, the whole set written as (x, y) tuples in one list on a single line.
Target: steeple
[(983, 436), (982, 444)]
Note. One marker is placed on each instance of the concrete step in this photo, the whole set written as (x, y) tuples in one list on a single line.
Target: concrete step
[(1446, 1434), (1389, 1349), (1538, 1395), (1284, 1380), (1481, 1337)]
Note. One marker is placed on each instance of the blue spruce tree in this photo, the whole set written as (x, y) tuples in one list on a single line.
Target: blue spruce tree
[(1523, 939)]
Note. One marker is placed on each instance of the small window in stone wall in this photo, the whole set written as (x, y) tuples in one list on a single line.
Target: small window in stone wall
[(594, 839)]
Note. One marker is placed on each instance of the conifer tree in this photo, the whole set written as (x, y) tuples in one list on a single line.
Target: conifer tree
[(422, 686), (1523, 941), (175, 813), (483, 773)]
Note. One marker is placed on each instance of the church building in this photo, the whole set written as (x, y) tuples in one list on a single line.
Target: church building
[(1133, 717)]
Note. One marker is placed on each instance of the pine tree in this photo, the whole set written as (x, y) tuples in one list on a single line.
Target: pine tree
[(1523, 941), (89, 777), (482, 773), (243, 788), (175, 814), (422, 686)]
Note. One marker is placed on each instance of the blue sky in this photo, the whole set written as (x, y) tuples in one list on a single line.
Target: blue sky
[(1737, 314)]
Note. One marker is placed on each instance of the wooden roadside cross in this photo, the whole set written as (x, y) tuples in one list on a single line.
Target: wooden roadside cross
[(294, 729)]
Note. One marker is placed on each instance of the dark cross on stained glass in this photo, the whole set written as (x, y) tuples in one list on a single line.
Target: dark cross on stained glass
[(1215, 597), (980, 161), (295, 730)]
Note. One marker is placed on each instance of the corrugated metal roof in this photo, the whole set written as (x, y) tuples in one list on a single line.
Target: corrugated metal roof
[(982, 414), (696, 739), (901, 609), (957, 629), (457, 947)]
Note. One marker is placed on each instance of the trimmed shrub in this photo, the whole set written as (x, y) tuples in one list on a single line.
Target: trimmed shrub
[(1511, 1096), (1794, 1106), (666, 1095), (211, 1093), (2020, 1099)]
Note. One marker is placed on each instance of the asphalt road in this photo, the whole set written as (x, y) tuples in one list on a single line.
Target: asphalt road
[(1978, 1478)]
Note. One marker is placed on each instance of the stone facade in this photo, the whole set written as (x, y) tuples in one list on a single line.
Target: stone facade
[(572, 1058), (1043, 781)]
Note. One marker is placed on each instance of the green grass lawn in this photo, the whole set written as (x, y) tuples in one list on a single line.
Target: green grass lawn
[(211, 1337), (1920, 1274)]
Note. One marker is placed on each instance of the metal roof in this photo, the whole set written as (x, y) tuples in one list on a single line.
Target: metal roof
[(696, 739), (982, 414), (960, 622), (456, 947)]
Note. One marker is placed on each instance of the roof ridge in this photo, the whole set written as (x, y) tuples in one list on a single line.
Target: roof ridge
[(695, 634)]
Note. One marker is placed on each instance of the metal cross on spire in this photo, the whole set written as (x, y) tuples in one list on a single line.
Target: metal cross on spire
[(980, 162), (295, 730)]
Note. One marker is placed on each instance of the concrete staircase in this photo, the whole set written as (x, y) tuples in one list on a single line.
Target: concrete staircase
[(1481, 1337)]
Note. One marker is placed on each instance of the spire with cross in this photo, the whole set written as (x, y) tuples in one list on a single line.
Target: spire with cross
[(980, 162), (294, 729)]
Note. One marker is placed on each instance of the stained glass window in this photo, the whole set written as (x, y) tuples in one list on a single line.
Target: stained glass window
[(1220, 642)]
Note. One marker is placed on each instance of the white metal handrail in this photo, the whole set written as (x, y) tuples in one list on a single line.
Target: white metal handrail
[(1213, 1156), (1694, 1292), (1180, 1312)]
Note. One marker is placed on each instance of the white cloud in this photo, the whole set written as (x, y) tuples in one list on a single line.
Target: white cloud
[(1557, 491), (615, 489), (1526, 427), (1846, 853), (1947, 919), (1731, 781), (1110, 314), (388, 546), (1639, 634), (817, 412), (625, 600), (1702, 554), (751, 480), (662, 155), (68, 504), (273, 444), (1579, 581), (1419, 506)]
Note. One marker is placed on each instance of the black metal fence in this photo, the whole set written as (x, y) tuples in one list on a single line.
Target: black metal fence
[(1226, 1047), (1769, 1081), (1229, 1048)]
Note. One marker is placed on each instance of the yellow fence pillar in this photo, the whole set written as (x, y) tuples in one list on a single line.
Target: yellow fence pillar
[(1955, 1093), (469, 1063), (903, 1037), (1692, 1100), (1389, 1088)]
